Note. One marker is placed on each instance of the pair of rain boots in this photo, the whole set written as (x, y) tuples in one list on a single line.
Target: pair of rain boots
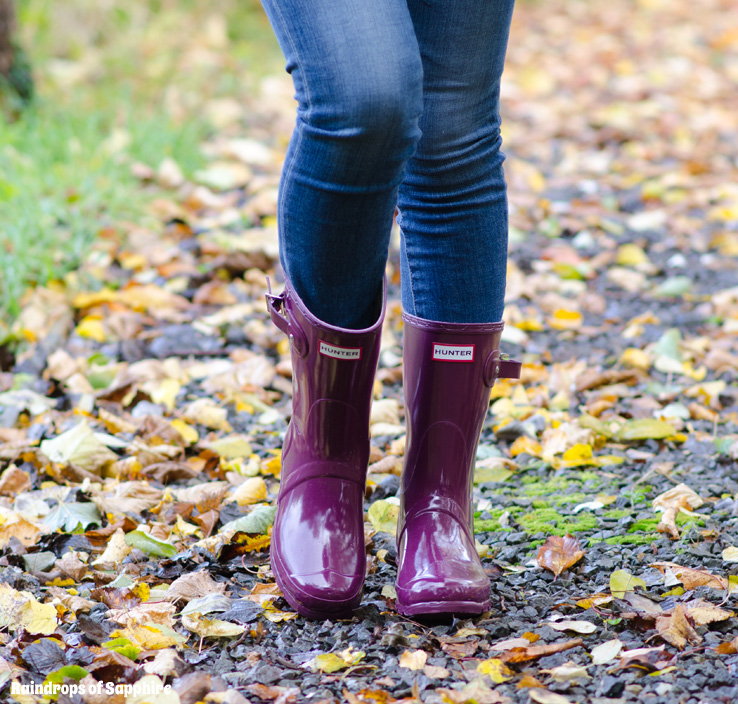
[(318, 551)]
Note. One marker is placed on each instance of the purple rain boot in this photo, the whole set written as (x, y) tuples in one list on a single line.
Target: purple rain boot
[(317, 551), (449, 369)]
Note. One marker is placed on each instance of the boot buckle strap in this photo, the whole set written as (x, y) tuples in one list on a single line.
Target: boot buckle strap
[(287, 324), (500, 366)]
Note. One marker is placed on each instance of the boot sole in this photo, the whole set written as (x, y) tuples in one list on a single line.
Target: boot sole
[(444, 607)]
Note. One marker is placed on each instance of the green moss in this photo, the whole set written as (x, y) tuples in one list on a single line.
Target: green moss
[(491, 525), (683, 520), (643, 539), (645, 525), (617, 513), (550, 521)]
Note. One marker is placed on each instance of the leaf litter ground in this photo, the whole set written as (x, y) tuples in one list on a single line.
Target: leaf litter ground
[(142, 414)]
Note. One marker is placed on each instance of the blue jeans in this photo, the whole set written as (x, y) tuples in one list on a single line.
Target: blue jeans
[(398, 106)]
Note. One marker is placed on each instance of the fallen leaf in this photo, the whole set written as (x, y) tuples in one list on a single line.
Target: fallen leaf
[(211, 628), (536, 651), (495, 669), (476, 692), (559, 553), (730, 554), (622, 581), (193, 586), (584, 627), (434, 672), (703, 612), (81, 447), (645, 429), (250, 491), (546, 696), (567, 672), (22, 610), (675, 628), (692, 578), (149, 544), (383, 516), (606, 652), (334, 662), (413, 659)]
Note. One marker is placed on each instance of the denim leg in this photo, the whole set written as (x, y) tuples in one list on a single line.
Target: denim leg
[(453, 200), (358, 80)]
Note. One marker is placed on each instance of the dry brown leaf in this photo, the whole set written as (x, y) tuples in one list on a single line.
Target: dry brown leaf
[(14, 481), (193, 586), (536, 651), (671, 502), (649, 659), (703, 612), (675, 628), (127, 497), (413, 659), (729, 648), (691, 578), (76, 604), (436, 673), (158, 612), (559, 553)]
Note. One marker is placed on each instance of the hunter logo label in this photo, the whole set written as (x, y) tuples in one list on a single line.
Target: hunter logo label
[(453, 353), (339, 352)]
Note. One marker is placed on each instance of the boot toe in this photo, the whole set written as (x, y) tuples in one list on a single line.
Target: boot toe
[(444, 589), (324, 594)]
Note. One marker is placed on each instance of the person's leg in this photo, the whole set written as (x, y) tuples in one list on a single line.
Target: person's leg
[(358, 79), (453, 216), (452, 202)]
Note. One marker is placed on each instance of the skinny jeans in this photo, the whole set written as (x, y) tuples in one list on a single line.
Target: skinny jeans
[(398, 110)]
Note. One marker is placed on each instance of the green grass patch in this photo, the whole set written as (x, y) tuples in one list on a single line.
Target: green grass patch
[(116, 83)]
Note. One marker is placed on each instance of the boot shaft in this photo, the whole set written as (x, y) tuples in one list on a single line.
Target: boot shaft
[(448, 371), (333, 376)]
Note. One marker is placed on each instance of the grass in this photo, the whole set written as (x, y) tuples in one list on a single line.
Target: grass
[(116, 83)]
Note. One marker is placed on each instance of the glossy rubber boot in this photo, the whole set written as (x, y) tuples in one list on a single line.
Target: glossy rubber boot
[(449, 369), (317, 549)]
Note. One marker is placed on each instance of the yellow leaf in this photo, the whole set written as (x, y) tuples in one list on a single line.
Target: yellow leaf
[(231, 447), (525, 444), (645, 429), (91, 327), (188, 433), (272, 466), (631, 255), (164, 391), (495, 669), (564, 319), (211, 627), (622, 581), (578, 454), (148, 637), (383, 516), (530, 325), (205, 412), (333, 662), (635, 358), (22, 610), (88, 300), (251, 491)]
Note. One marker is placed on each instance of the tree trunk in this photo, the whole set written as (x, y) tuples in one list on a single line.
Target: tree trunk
[(7, 27)]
